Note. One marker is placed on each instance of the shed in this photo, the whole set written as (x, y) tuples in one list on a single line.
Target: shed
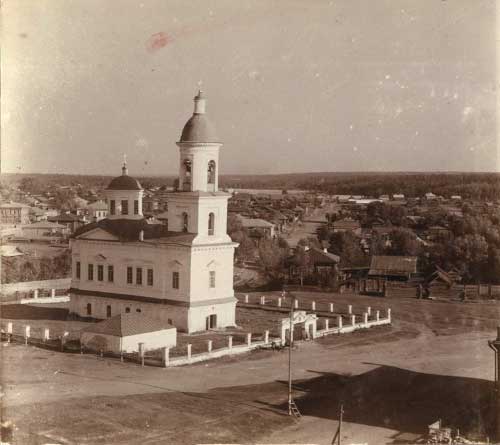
[(124, 332), (393, 266)]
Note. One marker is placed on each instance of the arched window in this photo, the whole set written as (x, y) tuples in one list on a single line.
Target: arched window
[(211, 223), (211, 173), (185, 222), (187, 174)]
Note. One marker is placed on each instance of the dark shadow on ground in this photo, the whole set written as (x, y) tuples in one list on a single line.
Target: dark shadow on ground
[(27, 312), (400, 399)]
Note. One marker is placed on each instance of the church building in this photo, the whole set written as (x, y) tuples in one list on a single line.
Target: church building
[(180, 273)]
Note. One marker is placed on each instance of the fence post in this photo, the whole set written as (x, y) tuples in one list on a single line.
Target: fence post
[(46, 334), (349, 309), (389, 314), (189, 352), (339, 321), (377, 315), (263, 300), (365, 319), (266, 337), (279, 301), (35, 293), (230, 342), (27, 330), (353, 319), (327, 322), (52, 293), (249, 339), (246, 298), (209, 346), (296, 304), (331, 307), (9, 327), (369, 310), (165, 356), (313, 305)]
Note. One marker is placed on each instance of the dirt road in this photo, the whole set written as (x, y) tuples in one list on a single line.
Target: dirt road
[(392, 382)]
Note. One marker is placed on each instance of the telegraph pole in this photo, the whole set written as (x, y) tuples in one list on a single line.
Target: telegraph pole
[(495, 345), (290, 344)]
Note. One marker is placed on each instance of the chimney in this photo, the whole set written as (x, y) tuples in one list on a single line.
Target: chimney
[(141, 235)]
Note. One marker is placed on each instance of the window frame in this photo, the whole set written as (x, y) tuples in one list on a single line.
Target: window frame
[(112, 207), (138, 276), (90, 272), (124, 207), (150, 277), (78, 270), (130, 275), (111, 273), (100, 272), (176, 278), (136, 206), (211, 279)]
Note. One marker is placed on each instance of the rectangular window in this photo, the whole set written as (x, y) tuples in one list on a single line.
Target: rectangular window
[(112, 207), (175, 280), (150, 277), (130, 275), (108, 311), (111, 274), (90, 272), (89, 309), (211, 280), (136, 207), (124, 207), (100, 272), (77, 270), (138, 276)]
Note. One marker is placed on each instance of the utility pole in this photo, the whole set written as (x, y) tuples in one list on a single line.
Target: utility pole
[(495, 345), (290, 345)]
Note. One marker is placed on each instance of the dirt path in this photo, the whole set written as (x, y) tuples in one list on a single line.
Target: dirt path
[(391, 381)]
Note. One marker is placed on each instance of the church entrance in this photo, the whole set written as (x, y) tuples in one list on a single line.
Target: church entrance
[(211, 322)]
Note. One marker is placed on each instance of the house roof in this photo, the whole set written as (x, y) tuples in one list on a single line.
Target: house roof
[(44, 225), (67, 217), (393, 265), (98, 205), (123, 325), (320, 256), (13, 205), (346, 223), (255, 222)]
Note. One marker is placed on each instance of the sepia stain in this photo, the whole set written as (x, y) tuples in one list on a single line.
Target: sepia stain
[(158, 41)]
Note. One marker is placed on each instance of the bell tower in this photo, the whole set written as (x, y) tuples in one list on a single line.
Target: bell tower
[(198, 206), (199, 151)]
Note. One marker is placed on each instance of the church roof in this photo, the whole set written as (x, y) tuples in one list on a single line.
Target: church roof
[(198, 129), (124, 182), (127, 230), (123, 325)]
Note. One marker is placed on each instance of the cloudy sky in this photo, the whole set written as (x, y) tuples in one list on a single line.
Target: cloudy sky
[(292, 86)]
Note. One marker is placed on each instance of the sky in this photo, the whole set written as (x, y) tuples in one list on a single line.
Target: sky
[(291, 86)]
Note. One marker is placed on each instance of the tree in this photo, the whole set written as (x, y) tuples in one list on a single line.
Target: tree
[(346, 245), (272, 258)]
